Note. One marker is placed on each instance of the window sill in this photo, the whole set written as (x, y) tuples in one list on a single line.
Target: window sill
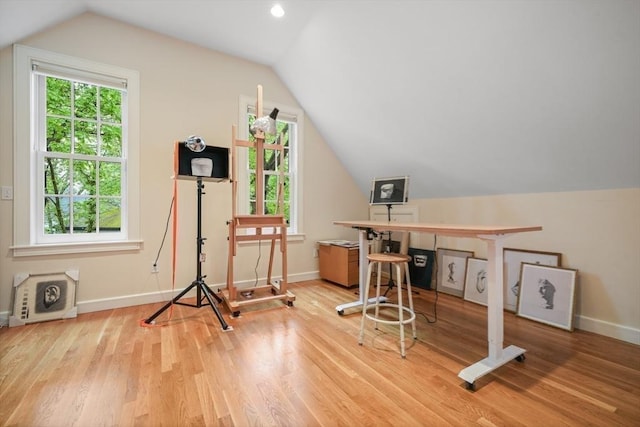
[(76, 248)]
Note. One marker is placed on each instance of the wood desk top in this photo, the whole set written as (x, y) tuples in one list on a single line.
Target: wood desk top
[(456, 230)]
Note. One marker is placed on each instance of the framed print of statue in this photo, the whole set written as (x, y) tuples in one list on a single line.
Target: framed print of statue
[(547, 295), (452, 266), (44, 296), (512, 259)]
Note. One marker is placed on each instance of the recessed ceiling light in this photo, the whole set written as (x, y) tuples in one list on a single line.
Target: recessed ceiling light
[(277, 11)]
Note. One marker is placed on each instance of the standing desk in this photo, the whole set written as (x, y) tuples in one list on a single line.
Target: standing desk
[(493, 236)]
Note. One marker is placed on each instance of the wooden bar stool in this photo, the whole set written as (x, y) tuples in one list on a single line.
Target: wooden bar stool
[(397, 261)]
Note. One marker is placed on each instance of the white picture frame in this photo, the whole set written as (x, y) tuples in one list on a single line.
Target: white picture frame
[(44, 296), (512, 259), (475, 283)]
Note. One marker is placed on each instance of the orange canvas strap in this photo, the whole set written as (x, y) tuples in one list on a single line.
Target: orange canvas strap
[(174, 245)]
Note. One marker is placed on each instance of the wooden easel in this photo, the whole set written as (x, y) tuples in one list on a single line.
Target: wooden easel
[(271, 227)]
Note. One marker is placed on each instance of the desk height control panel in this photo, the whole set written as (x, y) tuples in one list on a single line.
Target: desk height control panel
[(339, 262)]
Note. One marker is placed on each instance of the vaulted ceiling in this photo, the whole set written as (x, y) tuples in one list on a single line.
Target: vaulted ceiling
[(467, 97)]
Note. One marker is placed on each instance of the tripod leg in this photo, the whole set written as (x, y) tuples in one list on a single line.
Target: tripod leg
[(217, 298), (207, 293), (390, 286), (169, 304)]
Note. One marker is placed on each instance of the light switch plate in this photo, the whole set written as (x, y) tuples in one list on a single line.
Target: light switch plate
[(7, 193)]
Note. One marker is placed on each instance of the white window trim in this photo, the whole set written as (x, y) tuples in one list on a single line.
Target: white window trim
[(24, 237), (241, 161)]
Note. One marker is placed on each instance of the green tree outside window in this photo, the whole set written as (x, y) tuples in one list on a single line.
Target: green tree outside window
[(83, 158)]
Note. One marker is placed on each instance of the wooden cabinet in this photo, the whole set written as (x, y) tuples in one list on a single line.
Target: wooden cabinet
[(339, 264)]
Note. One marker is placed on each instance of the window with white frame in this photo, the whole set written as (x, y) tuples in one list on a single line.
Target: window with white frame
[(76, 174), (277, 164)]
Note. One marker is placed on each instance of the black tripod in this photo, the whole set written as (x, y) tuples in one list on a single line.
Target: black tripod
[(199, 283)]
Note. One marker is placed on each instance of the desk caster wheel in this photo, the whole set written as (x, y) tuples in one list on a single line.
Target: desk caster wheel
[(290, 303), (235, 314), (340, 312), (520, 358), (470, 386)]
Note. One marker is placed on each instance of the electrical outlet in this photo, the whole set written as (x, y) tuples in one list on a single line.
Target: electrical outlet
[(7, 193), (155, 268), (315, 253)]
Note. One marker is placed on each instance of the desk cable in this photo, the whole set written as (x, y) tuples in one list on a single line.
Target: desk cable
[(435, 301)]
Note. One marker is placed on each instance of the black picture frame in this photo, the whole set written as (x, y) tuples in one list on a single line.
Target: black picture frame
[(389, 191), (215, 160), (421, 267)]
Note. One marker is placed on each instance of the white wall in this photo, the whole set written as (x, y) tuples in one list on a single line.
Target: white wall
[(185, 90)]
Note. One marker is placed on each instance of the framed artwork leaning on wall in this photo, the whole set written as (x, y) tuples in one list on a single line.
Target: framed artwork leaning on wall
[(452, 267), (475, 282), (513, 258), (38, 297), (547, 294)]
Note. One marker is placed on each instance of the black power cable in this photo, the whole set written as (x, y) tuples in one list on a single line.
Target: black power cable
[(166, 228)]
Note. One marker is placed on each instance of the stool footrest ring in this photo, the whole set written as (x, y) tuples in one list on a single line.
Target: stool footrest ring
[(412, 315)]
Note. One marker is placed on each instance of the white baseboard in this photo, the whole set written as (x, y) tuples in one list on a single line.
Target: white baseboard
[(166, 296), (584, 323), (90, 306), (600, 327)]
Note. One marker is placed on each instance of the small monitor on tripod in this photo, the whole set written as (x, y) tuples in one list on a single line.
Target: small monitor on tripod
[(390, 191), (209, 164)]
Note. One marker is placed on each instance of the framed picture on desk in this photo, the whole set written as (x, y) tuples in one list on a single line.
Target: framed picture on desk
[(452, 268)]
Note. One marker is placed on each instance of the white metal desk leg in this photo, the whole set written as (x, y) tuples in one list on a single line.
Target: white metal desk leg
[(495, 318), (363, 245)]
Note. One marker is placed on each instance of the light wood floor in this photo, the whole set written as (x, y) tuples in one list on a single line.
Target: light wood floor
[(302, 366)]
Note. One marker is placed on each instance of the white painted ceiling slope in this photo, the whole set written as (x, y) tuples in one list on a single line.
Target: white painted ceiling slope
[(467, 97)]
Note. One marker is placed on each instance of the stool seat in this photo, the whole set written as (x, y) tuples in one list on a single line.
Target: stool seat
[(406, 315), (388, 257)]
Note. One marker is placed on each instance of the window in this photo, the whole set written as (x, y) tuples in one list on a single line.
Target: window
[(76, 146), (80, 155), (289, 125)]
